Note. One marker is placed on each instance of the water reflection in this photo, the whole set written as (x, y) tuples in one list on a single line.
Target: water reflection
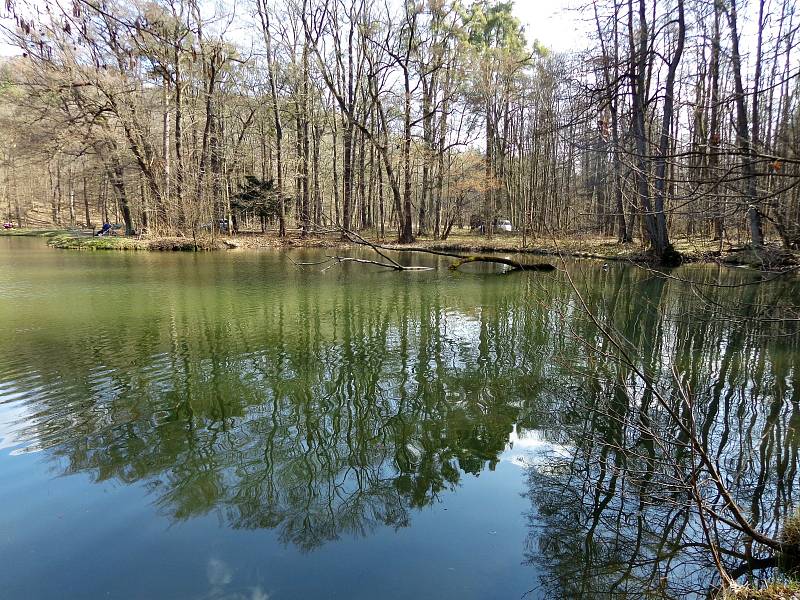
[(617, 516), (320, 412), (327, 406)]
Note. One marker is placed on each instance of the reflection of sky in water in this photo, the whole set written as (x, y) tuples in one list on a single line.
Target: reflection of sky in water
[(463, 332), (459, 333), (11, 413), (461, 328), (181, 402), (221, 578), (529, 448)]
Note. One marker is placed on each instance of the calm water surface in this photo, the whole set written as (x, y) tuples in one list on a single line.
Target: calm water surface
[(229, 425)]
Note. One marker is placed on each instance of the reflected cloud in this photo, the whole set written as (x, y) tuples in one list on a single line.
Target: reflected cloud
[(218, 572), (528, 448), (220, 577)]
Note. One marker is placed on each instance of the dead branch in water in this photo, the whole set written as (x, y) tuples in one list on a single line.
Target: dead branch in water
[(462, 259), (309, 264), (395, 266), (515, 265), (390, 263)]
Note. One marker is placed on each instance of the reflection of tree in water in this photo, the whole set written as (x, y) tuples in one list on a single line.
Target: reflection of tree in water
[(616, 517), (329, 409), (320, 417)]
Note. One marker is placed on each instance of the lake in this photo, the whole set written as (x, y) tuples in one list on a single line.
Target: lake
[(232, 425)]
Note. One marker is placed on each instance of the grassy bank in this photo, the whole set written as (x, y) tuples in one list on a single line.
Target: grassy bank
[(87, 242), (773, 591), (33, 232), (84, 240), (771, 257), (163, 244)]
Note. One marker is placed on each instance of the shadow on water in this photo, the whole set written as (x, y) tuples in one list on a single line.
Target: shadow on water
[(324, 406)]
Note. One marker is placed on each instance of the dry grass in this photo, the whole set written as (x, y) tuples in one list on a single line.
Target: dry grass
[(182, 244), (603, 248), (291, 241), (771, 257), (773, 591), (791, 530), (787, 590)]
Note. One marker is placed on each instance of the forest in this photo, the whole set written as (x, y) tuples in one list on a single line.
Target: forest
[(403, 120)]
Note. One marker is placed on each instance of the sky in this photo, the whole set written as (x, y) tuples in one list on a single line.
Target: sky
[(6, 50), (554, 23), (557, 24)]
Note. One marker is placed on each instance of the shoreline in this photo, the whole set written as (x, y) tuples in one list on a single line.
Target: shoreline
[(770, 258)]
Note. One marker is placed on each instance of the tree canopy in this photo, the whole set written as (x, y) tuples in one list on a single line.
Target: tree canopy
[(679, 120)]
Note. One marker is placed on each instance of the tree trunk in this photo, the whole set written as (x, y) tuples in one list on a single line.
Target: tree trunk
[(662, 246), (118, 182), (743, 135)]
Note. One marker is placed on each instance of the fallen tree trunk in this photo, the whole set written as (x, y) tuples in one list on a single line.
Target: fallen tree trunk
[(342, 259), (393, 265), (515, 265), (461, 259)]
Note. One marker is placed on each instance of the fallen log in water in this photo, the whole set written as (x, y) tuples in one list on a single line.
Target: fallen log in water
[(390, 263), (515, 265), (460, 258), (342, 259), (393, 265)]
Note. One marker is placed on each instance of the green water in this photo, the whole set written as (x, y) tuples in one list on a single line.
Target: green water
[(230, 425)]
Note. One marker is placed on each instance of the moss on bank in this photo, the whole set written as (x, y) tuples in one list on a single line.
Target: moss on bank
[(74, 242), (84, 240), (34, 232)]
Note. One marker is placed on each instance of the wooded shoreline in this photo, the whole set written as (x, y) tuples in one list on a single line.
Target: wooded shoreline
[(769, 257)]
